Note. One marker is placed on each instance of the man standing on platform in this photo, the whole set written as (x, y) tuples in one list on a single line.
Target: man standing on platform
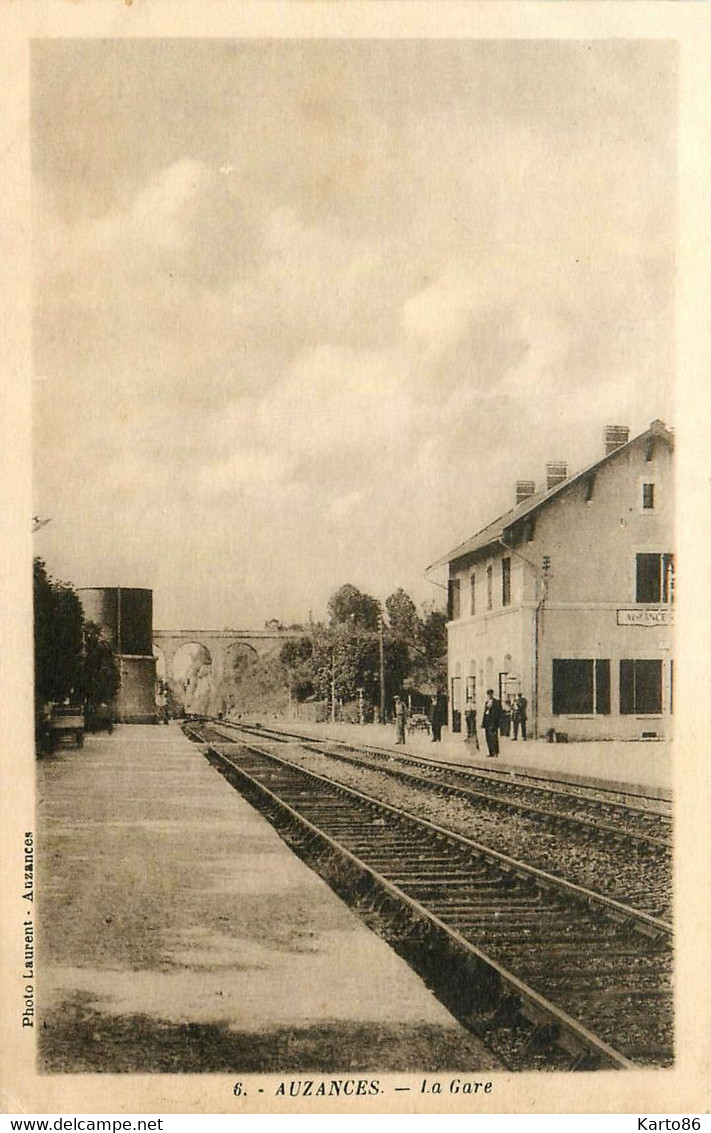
[(436, 718), (518, 716), (470, 721), (400, 720), (490, 720)]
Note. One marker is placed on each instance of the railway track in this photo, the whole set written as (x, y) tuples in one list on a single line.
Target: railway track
[(627, 863), (548, 973), (556, 806)]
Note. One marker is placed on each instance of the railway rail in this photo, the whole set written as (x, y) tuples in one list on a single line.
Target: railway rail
[(618, 858), (548, 973), (631, 812), (555, 805)]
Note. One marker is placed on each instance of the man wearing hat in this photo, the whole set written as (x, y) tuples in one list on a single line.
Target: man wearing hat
[(490, 720), (400, 719)]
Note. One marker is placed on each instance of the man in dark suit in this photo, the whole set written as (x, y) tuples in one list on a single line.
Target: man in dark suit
[(518, 716), (437, 717), (490, 720)]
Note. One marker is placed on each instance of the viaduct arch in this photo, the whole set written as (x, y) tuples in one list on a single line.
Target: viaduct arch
[(217, 642)]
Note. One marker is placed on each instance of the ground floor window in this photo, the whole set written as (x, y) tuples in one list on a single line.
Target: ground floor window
[(640, 686), (581, 687)]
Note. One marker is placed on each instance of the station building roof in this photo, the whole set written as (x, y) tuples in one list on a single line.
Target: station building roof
[(494, 532)]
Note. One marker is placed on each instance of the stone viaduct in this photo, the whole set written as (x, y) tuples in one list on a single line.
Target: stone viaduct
[(218, 642)]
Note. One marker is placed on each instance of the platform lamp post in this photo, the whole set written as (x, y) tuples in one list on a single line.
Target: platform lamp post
[(537, 628), (119, 651)]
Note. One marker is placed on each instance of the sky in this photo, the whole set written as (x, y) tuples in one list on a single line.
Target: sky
[(304, 311)]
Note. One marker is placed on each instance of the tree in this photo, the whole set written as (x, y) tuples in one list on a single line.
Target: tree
[(350, 607), (431, 663), (58, 624), (397, 667), (402, 616), (344, 661), (73, 658), (295, 651), (296, 656), (99, 676)]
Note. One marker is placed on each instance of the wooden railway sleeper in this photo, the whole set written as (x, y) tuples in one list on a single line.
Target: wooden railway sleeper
[(497, 914), (429, 864), (451, 913)]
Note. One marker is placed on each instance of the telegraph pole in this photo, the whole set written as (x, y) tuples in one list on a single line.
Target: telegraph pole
[(382, 668)]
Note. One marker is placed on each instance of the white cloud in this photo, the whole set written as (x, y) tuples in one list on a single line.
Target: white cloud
[(440, 314), (339, 327), (335, 399), (247, 466), (164, 213)]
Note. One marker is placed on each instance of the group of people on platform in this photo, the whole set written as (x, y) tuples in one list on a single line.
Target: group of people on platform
[(491, 720)]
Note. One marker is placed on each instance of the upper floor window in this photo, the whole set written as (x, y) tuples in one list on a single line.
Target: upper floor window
[(655, 578), (648, 497), (489, 587), (472, 593), (453, 599), (506, 582)]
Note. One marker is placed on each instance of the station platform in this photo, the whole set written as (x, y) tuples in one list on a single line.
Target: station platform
[(635, 766), (179, 934)]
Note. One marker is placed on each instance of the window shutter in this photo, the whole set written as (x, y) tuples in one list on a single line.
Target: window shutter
[(667, 578), (602, 688), (626, 687), (505, 582), (453, 599)]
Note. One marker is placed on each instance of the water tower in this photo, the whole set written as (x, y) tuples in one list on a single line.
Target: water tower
[(125, 614)]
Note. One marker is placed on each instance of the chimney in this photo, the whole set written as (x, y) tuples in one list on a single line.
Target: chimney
[(556, 473), (615, 437), (524, 490)]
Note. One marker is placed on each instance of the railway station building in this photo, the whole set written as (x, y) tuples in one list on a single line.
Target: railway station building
[(568, 598)]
